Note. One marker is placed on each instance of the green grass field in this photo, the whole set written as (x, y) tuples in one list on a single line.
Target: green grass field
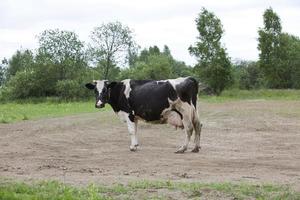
[(32, 109), (12, 112), (142, 190), (265, 94)]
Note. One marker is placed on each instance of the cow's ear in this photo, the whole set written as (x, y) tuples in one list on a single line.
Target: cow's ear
[(112, 84), (90, 86)]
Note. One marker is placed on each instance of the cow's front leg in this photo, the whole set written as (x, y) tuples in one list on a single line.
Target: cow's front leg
[(132, 129)]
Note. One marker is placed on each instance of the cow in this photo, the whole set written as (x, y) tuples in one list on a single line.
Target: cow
[(171, 101)]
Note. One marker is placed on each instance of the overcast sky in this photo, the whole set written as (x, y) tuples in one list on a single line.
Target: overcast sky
[(155, 22)]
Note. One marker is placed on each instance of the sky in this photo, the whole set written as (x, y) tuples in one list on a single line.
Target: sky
[(155, 22)]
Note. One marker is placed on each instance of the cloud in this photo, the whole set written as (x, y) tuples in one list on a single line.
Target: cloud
[(170, 22)]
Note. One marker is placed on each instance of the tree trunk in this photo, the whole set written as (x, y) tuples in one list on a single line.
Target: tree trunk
[(107, 67)]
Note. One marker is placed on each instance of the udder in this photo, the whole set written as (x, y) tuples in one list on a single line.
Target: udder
[(173, 118)]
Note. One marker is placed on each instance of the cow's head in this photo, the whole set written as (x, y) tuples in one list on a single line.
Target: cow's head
[(102, 89)]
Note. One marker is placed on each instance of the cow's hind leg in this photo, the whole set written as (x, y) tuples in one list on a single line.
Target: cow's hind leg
[(197, 127), (132, 129), (188, 128)]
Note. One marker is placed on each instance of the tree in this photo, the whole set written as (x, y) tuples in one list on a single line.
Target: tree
[(151, 63), (21, 60), (62, 57), (269, 47), (214, 66), (63, 51), (111, 45), (248, 75), (58, 68), (3, 68), (157, 67), (289, 61), (279, 56)]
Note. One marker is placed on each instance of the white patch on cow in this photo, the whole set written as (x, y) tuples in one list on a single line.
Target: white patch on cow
[(127, 90), (99, 85), (173, 82), (176, 81), (132, 129), (122, 115), (99, 102)]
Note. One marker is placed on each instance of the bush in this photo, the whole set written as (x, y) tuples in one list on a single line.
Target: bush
[(22, 85), (251, 77), (71, 89)]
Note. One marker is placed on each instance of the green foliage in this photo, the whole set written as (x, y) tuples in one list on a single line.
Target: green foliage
[(153, 64), (247, 75), (25, 84), (279, 53), (180, 69), (158, 67), (63, 51), (20, 61), (269, 47), (105, 74), (59, 46), (3, 71), (290, 61), (112, 43), (58, 69), (71, 89), (214, 67)]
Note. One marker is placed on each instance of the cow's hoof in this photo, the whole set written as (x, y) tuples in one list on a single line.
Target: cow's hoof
[(136, 145), (196, 149), (133, 148), (181, 150)]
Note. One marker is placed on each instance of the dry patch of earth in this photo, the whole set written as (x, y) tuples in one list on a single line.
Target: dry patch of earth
[(248, 141)]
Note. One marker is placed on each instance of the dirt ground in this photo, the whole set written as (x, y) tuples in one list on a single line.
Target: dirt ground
[(248, 141)]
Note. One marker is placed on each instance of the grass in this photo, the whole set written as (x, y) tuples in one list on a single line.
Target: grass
[(263, 94), (12, 112), (142, 190)]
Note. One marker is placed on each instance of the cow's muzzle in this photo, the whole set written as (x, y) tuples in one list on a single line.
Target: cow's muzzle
[(100, 105)]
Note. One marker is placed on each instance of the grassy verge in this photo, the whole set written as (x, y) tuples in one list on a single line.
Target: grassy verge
[(143, 190), (51, 107), (11, 112), (264, 94)]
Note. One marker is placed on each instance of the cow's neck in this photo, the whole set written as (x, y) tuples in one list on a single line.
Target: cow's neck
[(117, 99)]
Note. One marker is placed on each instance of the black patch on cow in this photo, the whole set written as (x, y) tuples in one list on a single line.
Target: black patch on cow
[(149, 98), (117, 98), (131, 117), (90, 86), (181, 117), (187, 90)]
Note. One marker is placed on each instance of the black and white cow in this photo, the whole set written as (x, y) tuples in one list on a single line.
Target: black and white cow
[(170, 101)]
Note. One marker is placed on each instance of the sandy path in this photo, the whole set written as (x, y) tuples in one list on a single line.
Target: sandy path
[(251, 141)]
